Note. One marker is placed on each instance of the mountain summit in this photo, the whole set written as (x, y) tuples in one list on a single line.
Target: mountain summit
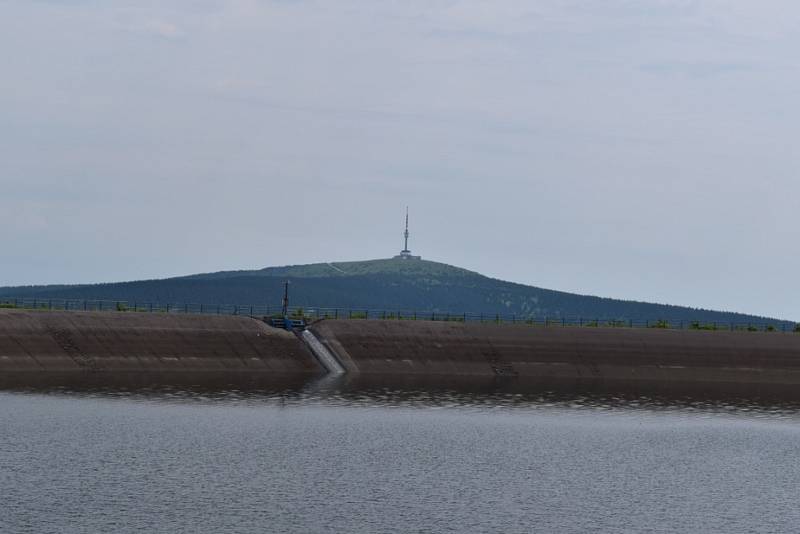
[(387, 284)]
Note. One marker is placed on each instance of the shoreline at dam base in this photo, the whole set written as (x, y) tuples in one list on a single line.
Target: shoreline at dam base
[(108, 349)]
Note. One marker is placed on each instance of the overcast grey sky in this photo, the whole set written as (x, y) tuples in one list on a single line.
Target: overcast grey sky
[(626, 148)]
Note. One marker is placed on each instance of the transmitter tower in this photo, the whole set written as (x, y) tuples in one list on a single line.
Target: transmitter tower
[(405, 254)]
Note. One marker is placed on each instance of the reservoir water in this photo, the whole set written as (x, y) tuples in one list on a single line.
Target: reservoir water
[(332, 459)]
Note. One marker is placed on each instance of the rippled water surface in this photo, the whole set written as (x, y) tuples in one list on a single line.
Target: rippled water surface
[(325, 458)]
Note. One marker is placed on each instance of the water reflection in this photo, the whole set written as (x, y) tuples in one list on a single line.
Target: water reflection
[(429, 393)]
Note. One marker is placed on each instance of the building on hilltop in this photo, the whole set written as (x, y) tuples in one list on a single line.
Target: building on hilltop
[(405, 254)]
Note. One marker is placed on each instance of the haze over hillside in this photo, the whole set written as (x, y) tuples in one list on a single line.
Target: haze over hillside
[(389, 284)]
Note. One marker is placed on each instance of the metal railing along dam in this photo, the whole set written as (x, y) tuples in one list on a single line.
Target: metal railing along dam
[(309, 313)]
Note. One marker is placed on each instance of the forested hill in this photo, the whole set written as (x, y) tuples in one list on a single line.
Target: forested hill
[(390, 284)]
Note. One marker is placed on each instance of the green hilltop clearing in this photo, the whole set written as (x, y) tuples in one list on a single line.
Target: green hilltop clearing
[(386, 284), (350, 268)]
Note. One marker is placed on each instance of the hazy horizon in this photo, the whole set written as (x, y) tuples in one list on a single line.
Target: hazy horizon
[(640, 151)]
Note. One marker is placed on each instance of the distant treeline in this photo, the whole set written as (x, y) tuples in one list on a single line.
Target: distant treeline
[(441, 292)]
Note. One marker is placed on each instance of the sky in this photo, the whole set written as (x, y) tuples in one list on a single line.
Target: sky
[(638, 149)]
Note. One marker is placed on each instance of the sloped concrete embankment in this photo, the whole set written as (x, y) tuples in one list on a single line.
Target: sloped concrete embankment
[(118, 342), (459, 349)]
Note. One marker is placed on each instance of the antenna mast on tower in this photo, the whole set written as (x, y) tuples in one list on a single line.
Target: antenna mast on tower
[(405, 249)]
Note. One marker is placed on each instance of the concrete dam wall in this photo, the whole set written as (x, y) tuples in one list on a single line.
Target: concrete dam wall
[(618, 354), (116, 342), (110, 344)]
